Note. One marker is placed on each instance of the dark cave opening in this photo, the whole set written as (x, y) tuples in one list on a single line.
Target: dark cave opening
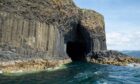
[(76, 51), (80, 46)]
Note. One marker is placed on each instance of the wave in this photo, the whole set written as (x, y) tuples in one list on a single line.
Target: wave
[(135, 65)]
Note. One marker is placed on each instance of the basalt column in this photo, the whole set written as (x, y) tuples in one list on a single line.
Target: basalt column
[(51, 30), (93, 23)]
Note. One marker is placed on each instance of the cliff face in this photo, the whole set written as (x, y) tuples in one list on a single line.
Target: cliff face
[(49, 29)]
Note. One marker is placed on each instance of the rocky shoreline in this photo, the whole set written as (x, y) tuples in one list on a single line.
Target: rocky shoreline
[(40, 34), (111, 57), (31, 65), (35, 65), (11, 62)]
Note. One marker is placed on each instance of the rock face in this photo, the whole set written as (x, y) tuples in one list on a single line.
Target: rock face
[(110, 57), (50, 29), (39, 34)]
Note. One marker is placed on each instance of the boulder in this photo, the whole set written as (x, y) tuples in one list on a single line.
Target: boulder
[(110, 57)]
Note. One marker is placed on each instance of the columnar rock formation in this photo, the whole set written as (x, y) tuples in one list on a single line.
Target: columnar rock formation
[(49, 26), (48, 29), (38, 34)]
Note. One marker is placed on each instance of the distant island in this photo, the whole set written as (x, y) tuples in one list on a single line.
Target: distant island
[(40, 34), (134, 53)]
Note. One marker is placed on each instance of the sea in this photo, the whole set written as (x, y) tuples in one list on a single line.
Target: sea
[(79, 73)]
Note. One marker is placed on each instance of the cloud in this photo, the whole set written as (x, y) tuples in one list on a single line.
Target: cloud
[(123, 41)]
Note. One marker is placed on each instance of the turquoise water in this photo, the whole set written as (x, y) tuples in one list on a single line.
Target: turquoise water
[(79, 73)]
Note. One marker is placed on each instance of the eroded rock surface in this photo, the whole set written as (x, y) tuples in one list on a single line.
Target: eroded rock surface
[(39, 34), (110, 57), (48, 30)]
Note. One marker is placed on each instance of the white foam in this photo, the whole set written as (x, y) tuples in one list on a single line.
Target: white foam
[(120, 77), (18, 71), (98, 73), (1, 72), (136, 65), (81, 75), (102, 82)]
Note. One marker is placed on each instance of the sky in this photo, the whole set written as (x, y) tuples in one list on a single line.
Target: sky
[(122, 20)]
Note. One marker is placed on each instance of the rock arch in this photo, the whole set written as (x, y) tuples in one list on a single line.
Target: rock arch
[(79, 45), (32, 32)]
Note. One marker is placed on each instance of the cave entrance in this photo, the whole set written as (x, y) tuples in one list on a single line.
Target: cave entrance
[(79, 46), (76, 51)]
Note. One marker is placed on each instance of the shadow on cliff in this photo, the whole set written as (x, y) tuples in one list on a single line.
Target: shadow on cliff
[(79, 44)]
